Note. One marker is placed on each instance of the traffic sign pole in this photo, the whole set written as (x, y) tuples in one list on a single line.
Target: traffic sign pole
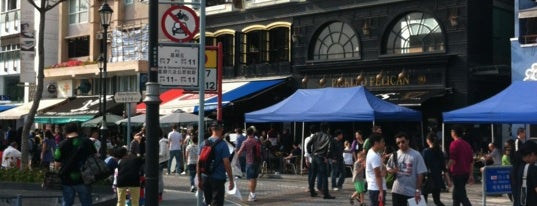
[(201, 113)]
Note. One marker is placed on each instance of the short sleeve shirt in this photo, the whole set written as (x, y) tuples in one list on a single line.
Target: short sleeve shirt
[(410, 164), (461, 152), (175, 139), (193, 152), (373, 161), (221, 152), (248, 149)]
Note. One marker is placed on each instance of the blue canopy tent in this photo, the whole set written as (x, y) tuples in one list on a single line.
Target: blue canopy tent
[(333, 105), (517, 104)]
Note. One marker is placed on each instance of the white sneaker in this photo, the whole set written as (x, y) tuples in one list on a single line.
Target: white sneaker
[(251, 197), (335, 189), (183, 173)]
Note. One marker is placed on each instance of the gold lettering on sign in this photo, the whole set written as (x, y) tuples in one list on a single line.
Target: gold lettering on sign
[(372, 81)]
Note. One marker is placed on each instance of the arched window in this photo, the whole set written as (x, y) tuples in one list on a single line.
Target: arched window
[(336, 41), (414, 32), (228, 48)]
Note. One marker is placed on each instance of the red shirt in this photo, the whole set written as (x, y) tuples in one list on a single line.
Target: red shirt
[(248, 148), (461, 152)]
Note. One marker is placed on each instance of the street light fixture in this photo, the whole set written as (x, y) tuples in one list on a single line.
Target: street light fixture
[(105, 13)]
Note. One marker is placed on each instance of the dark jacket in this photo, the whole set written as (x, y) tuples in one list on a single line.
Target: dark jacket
[(321, 145), (129, 171)]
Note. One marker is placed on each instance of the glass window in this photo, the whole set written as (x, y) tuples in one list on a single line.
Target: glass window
[(415, 32), (256, 47), (128, 2), (279, 44), (78, 47), (336, 41), (78, 11), (227, 48)]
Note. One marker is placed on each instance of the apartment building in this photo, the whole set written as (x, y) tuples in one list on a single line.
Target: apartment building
[(18, 62)]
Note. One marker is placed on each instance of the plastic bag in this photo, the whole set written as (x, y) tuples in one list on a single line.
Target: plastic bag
[(235, 191), (236, 166)]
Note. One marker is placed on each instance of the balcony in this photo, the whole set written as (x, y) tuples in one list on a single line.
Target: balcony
[(528, 39), (10, 22)]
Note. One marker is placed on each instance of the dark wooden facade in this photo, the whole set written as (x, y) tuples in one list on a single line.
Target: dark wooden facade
[(459, 72)]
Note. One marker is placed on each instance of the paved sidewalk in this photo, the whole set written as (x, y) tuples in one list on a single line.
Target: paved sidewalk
[(291, 190)]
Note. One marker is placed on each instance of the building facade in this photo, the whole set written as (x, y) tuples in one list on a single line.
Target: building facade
[(80, 44), (524, 41), (432, 55), (18, 60)]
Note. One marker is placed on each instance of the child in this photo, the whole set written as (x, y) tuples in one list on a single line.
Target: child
[(192, 151), (129, 170), (347, 154), (358, 179)]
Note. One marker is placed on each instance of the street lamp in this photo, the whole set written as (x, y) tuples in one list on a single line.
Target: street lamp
[(106, 16)]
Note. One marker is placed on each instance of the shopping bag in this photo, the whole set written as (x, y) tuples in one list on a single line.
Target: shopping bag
[(236, 166), (235, 191)]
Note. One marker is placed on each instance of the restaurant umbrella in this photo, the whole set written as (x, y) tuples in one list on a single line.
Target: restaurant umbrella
[(111, 120), (180, 117)]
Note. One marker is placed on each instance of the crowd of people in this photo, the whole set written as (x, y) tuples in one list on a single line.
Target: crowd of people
[(410, 174)]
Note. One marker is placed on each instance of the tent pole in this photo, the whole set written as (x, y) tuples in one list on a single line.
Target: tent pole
[(294, 132), (303, 149), (492, 132), (422, 136), (443, 138)]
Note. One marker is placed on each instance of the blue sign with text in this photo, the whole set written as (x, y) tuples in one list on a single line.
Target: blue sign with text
[(496, 180)]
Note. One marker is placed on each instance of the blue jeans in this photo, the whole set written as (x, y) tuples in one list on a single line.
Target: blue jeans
[(178, 155), (374, 197), (459, 190), (338, 172), (322, 173), (70, 191)]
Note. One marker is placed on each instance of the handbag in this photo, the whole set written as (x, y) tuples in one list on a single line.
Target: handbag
[(428, 183), (93, 170), (52, 181)]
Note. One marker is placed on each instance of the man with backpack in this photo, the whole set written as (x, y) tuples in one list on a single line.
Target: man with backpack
[(213, 164), (252, 148)]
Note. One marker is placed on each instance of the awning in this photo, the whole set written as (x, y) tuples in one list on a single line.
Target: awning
[(18, 112), (231, 91), (62, 119), (410, 98), (79, 109), (7, 107), (239, 92), (528, 13), (164, 97)]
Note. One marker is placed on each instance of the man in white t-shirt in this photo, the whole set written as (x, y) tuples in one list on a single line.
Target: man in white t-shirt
[(175, 140), (409, 167), (312, 172), (374, 171)]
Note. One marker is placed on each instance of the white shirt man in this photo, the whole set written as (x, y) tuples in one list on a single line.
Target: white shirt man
[(175, 142), (10, 156), (374, 171)]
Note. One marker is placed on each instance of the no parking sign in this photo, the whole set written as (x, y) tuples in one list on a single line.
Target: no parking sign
[(179, 23)]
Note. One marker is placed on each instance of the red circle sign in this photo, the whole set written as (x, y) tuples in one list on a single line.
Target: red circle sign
[(180, 23)]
